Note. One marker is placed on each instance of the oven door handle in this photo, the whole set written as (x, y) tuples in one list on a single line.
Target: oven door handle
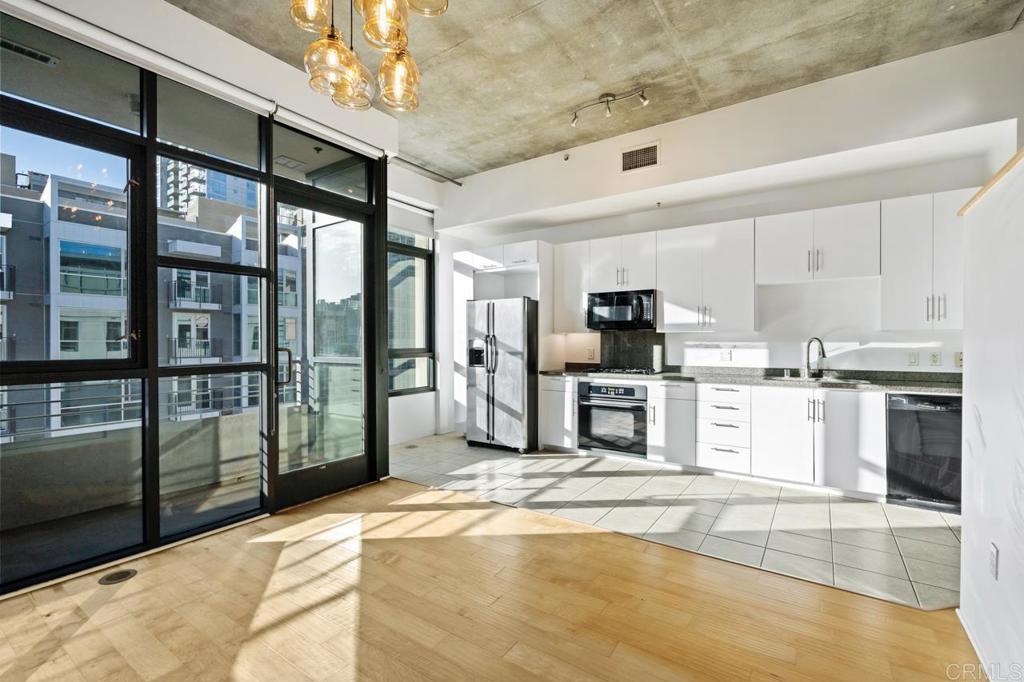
[(615, 406)]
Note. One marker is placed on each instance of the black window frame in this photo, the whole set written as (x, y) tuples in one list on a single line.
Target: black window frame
[(142, 149), (428, 351)]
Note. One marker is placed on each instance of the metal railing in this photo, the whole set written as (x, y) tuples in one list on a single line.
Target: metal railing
[(51, 409), (184, 294), (74, 281), (193, 349)]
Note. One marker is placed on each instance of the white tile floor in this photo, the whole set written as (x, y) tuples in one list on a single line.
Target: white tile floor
[(900, 554)]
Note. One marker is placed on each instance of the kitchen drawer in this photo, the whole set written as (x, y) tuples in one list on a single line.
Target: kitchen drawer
[(556, 383), (734, 412), (673, 391), (725, 393), (723, 432), (723, 458)]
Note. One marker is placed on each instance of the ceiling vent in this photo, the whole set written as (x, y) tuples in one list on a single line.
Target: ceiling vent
[(288, 162), (640, 157), (26, 51)]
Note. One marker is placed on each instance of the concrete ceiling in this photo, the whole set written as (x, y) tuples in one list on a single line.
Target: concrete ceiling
[(501, 77)]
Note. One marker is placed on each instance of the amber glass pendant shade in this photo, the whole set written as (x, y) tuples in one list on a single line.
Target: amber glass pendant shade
[(310, 15), (399, 80), (386, 24), (329, 62), (428, 8), (357, 94)]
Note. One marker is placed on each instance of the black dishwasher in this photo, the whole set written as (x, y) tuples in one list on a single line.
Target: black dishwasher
[(923, 450)]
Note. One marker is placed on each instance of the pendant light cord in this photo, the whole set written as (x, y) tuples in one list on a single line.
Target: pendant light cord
[(351, 24)]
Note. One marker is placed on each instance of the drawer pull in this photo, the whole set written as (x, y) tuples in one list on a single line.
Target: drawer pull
[(732, 452), (725, 390), (724, 407), (725, 426)]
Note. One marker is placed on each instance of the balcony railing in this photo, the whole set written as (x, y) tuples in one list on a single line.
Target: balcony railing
[(187, 295), (193, 349), (6, 282), (76, 281), (7, 348)]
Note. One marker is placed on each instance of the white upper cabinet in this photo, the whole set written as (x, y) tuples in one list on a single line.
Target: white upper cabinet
[(623, 263), (785, 248), (605, 264), (706, 277), (907, 262), (828, 243), (923, 261), (949, 258), (847, 241), (727, 276), (572, 277), (639, 261), (489, 257), (679, 279), (521, 253), (782, 433)]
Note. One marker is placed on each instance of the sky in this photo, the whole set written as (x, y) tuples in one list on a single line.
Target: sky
[(43, 155)]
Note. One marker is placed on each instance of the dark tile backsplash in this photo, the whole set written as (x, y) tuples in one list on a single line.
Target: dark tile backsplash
[(632, 349)]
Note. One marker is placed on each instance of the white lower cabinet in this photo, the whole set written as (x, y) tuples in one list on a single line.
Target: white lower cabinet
[(825, 437), (671, 435), (782, 433), (852, 440), (723, 458), (557, 410)]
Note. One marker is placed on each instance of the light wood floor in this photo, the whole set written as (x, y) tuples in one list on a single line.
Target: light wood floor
[(397, 582)]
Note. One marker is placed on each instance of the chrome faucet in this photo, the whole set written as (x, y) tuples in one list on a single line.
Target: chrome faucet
[(807, 358)]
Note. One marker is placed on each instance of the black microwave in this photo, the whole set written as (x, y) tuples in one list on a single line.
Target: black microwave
[(620, 310)]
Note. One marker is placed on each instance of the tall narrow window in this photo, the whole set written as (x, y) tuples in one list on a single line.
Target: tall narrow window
[(410, 292)]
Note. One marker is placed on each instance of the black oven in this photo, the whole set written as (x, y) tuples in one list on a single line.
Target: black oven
[(613, 418), (622, 310)]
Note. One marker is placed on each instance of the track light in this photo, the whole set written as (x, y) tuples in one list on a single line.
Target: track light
[(607, 99)]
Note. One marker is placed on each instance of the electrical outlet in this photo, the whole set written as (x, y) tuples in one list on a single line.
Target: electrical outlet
[(993, 561), (935, 359), (913, 358), (590, 354), (958, 359), (725, 355)]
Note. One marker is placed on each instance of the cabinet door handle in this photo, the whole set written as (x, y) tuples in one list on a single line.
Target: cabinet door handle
[(709, 315), (808, 260), (725, 390), (928, 308), (625, 276), (724, 426), (945, 308), (724, 407), (732, 452), (821, 414), (810, 410), (617, 282), (654, 419)]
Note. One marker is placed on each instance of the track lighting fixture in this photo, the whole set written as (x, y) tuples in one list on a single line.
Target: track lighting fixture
[(607, 99)]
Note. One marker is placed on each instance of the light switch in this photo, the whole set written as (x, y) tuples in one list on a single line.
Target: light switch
[(935, 359)]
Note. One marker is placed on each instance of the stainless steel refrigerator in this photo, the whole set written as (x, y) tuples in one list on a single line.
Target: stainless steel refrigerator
[(501, 373)]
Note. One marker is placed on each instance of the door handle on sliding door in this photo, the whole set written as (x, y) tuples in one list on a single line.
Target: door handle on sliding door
[(291, 361)]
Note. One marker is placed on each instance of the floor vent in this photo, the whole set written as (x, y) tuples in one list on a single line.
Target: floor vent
[(641, 157), (118, 576), (26, 51)]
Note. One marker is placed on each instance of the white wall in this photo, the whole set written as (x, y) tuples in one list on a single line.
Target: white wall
[(948, 89), (411, 417), (143, 30), (993, 448)]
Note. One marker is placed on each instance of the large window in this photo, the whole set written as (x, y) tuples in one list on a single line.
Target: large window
[(410, 310), (142, 302)]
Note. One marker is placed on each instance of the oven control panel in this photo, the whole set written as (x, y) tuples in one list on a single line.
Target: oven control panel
[(612, 391)]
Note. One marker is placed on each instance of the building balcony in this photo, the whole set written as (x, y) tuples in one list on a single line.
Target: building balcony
[(6, 222), (7, 348), (181, 247), (194, 351), (6, 283), (187, 296)]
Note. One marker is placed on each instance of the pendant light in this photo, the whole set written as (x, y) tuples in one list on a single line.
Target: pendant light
[(386, 23), (328, 62), (355, 92), (399, 79), (310, 15), (428, 8)]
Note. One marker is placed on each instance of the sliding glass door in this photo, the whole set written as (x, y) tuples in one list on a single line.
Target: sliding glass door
[(320, 369)]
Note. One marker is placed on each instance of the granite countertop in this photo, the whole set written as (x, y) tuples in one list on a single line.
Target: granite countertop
[(889, 382)]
